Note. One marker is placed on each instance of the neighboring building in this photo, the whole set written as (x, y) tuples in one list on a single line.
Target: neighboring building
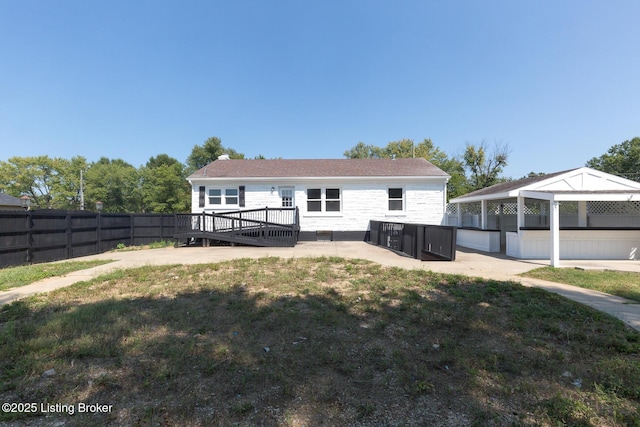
[(9, 202), (336, 197), (580, 213)]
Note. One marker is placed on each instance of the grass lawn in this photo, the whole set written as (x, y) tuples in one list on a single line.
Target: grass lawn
[(13, 277), (308, 342), (621, 283)]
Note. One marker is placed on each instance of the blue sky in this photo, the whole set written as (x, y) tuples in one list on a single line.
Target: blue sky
[(555, 80)]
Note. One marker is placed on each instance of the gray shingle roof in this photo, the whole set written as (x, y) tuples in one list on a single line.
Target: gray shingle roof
[(317, 168), (7, 200), (505, 187)]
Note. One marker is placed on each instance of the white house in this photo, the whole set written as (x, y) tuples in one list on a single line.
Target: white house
[(335, 197), (575, 214)]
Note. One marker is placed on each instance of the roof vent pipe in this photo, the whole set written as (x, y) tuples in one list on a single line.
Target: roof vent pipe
[(223, 157)]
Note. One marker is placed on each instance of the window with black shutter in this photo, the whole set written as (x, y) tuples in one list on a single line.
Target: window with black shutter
[(202, 196)]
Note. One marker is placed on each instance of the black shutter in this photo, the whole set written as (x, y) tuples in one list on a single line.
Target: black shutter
[(242, 196), (201, 200)]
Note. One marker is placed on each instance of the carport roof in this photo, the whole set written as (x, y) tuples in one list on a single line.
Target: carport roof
[(573, 184)]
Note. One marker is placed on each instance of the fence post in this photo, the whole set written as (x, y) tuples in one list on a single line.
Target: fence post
[(29, 237), (99, 232), (419, 240), (175, 224), (69, 235), (131, 234)]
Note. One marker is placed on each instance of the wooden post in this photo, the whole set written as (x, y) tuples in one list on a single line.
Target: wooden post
[(99, 232), (131, 230), (175, 224), (69, 235), (29, 219), (419, 240)]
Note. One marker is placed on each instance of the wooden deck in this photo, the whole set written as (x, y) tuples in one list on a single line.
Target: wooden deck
[(255, 227)]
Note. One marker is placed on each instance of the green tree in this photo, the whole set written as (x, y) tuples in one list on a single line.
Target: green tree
[(621, 159), (164, 185), (484, 167), (202, 155), (364, 151), (67, 183), (405, 148), (402, 149), (115, 183), (533, 174), (35, 177)]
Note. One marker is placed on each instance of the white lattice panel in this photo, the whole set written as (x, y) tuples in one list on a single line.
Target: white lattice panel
[(613, 208), (452, 209), (508, 208), (535, 207), (471, 208), (568, 208)]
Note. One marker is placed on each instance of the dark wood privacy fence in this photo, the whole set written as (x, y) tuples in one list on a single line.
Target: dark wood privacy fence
[(255, 227), (420, 241), (51, 235)]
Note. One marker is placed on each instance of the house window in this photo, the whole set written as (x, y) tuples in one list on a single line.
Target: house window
[(215, 196), (286, 194), (223, 196), (332, 200), (396, 201), (231, 196), (323, 200), (314, 200)]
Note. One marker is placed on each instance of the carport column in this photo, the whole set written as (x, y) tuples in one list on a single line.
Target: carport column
[(520, 211), (459, 224), (483, 214), (582, 213), (554, 228), (520, 222)]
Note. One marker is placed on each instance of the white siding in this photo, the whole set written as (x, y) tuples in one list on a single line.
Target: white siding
[(424, 202), (482, 240), (579, 244)]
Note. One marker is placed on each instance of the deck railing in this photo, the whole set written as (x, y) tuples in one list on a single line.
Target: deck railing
[(264, 227)]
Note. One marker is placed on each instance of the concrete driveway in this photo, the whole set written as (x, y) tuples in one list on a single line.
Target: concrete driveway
[(468, 262)]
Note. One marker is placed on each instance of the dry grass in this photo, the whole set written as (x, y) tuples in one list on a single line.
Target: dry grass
[(310, 342)]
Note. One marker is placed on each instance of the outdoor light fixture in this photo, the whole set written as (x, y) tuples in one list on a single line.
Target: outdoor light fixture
[(99, 206), (25, 202), (273, 189)]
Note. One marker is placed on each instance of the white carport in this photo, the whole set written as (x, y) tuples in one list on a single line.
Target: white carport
[(576, 214)]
